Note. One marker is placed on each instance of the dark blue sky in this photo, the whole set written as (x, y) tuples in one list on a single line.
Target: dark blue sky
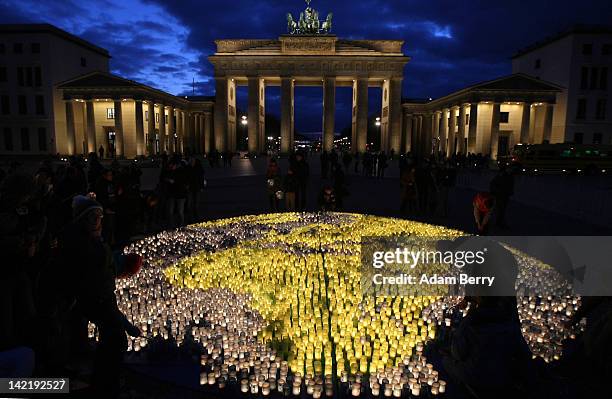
[(452, 43)]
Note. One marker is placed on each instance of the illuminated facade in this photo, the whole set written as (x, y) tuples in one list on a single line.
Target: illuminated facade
[(487, 118), (579, 60), (71, 105), (129, 119), (33, 60)]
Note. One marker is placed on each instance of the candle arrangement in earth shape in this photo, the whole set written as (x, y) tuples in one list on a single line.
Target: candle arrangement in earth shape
[(274, 304)]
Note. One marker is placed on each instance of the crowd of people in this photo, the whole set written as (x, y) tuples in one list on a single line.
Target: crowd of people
[(59, 269), (293, 187), (62, 229)]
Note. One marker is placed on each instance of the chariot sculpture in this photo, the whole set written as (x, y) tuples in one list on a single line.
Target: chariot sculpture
[(309, 23)]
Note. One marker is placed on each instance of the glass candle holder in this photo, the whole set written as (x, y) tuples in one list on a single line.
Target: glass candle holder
[(375, 389), (296, 388)]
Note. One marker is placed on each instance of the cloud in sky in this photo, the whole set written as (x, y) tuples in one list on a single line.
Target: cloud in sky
[(452, 43)]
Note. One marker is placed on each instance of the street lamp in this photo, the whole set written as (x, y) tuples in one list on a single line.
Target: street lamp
[(244, 120), (377, 121)]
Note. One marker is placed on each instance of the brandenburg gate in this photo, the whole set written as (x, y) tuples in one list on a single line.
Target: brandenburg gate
[(308, 56)]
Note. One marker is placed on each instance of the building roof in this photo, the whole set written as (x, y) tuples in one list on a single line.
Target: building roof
[(199, 98), (112, 86), (99, 79), (303, 43), (513, 87), (518, 81), (576, 29), (51, 29)]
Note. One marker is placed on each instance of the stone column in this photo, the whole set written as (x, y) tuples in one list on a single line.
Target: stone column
[(151, 127), (189, 144), (354, 119), (230, 144), (533, 112), (473, 127), (548, 120), (171, 130), (495, 117), (139, 119), (420, 139), (362, 114), (395, 114), (329, 112), (119, 143), (287, 100), (443, 131), (408, 134), (428, 121), (221, 110), (201, 143), (254, 114), (91, 127), (461, 140), (163, 146), (384, 129), (70, 130), (207, 132), (525, 123), (197, 137), (436, 132), (451, 131)]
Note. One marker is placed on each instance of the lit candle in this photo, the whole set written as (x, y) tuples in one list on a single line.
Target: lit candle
[(265, 388), (375, 389)]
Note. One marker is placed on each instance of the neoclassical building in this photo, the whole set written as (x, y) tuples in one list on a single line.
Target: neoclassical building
[(486, 118), (132, 119), (77, 113), (313, 60)]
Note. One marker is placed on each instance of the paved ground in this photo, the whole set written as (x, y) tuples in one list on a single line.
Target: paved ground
[(241, 190)]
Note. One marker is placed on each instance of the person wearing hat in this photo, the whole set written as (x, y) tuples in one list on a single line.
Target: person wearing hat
[(91, 272), (18, 315)]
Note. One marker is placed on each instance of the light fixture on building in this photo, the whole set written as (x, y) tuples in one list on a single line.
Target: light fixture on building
[(378, 121)]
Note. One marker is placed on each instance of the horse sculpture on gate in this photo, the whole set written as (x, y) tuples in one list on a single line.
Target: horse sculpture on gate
[(309, 23), (292, 26), (327, 24)]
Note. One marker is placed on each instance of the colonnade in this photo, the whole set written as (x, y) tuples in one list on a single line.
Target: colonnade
[(475, 127), (226, 118), (139, 127)]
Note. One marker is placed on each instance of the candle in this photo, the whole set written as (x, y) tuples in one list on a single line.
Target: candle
[(375, 389), (296, 388), (356, 389), (265, 388), (244, 386), (254, 387), (435, 388)]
